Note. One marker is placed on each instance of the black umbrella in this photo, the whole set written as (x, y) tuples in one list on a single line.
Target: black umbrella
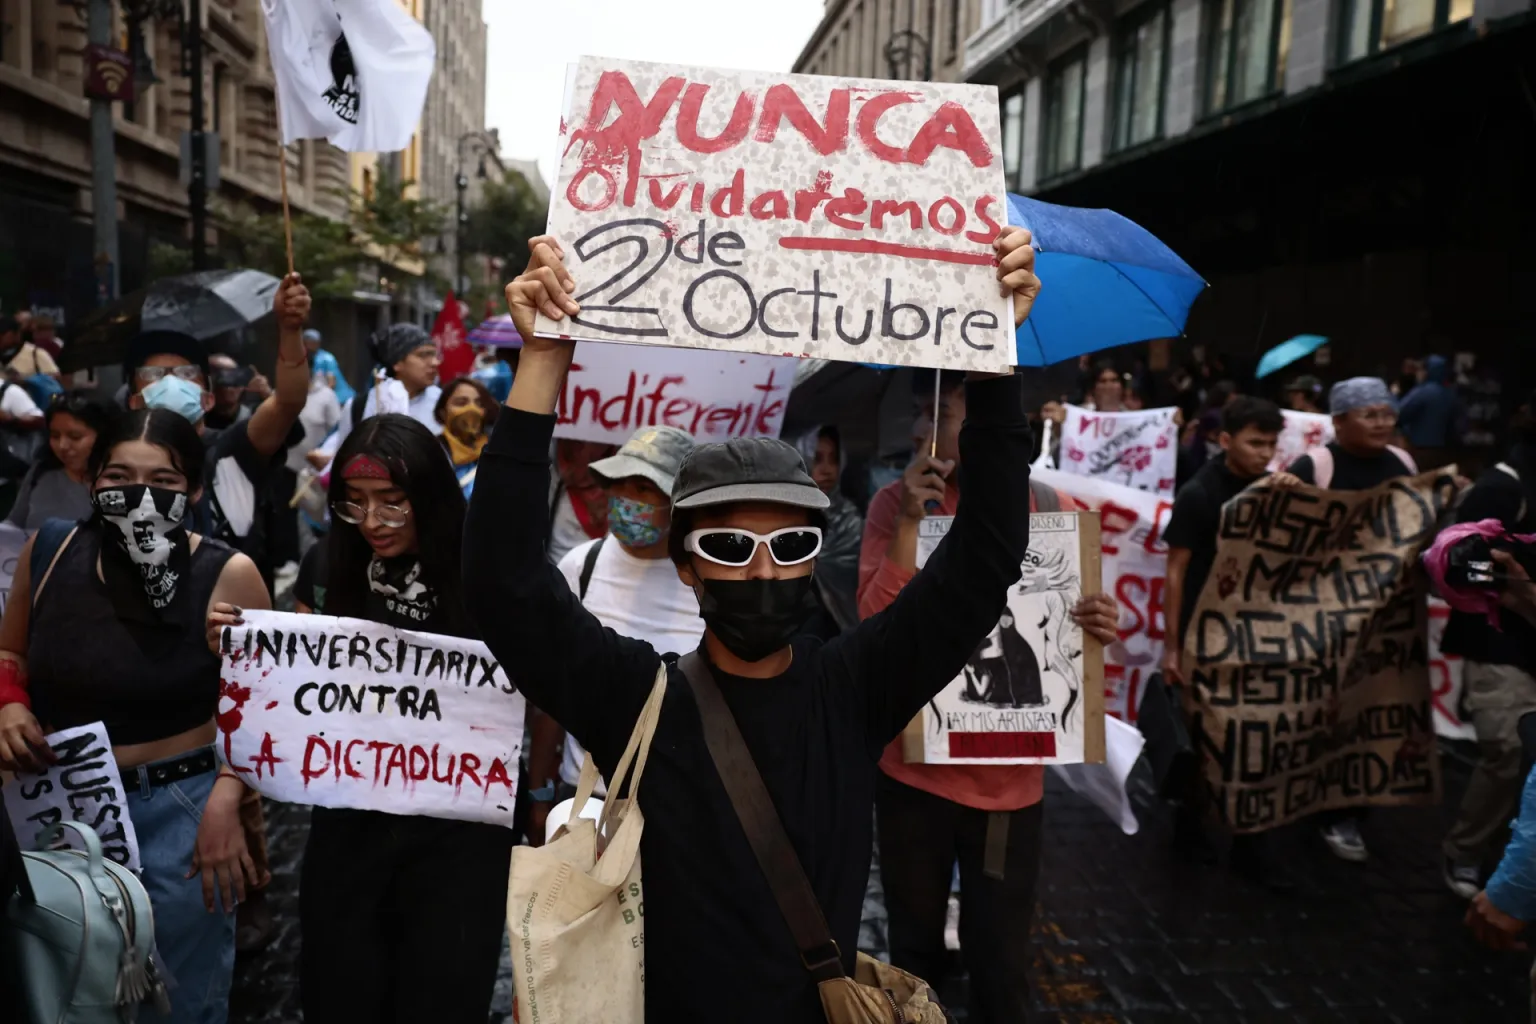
[(204, 305)]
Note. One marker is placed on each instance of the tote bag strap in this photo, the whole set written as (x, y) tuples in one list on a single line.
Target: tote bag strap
[(765, 832), (639, 743)]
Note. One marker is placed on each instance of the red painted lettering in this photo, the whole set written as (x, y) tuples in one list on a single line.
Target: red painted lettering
[(950, 127), (419, 775), (770, 206), (806, 201), (987, 237), (688, 121), (352, 773), (469, 766), (308, 772), (396, 760), (781, 102), (870, 113), (851, 204), (727, 202), (670, 199), (957, 216), (446, 778), (881, 208), (498, 773), (620, 141)]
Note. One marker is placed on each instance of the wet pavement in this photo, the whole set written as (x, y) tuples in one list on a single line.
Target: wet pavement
[(1128, 932)]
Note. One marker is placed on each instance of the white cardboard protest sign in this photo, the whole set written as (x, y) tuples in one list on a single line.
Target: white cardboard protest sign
[(1445, 679), (782, 214), (1137, 449), (612, 390), (12, 538), (1303, 430), (350, 713), (83, 786), (1135, 562), (1033, 691)]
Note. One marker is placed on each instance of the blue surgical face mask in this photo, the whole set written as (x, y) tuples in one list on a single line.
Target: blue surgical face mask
[(173, 394), (634, 522)]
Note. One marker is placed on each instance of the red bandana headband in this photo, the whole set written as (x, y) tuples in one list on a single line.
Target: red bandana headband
[(365, 467)]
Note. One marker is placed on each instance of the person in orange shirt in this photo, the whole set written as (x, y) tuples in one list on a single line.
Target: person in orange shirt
[(988, 817)]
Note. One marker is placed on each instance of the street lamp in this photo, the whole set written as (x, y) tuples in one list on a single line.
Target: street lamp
[(487, 145), (901, 51)]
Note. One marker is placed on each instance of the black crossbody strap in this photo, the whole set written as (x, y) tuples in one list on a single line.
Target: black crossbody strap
[(760, 820)]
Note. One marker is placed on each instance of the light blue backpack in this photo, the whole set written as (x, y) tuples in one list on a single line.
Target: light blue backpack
[(77, 945)]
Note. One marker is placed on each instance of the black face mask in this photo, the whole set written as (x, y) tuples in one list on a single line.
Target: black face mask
[(755, 618)]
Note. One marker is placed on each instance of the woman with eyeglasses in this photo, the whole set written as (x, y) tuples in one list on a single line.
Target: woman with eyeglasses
[(59, 486), (402, 916), (105, 622), (467, 412)]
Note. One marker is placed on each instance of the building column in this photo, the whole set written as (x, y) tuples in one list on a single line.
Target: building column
[(1311, 39), (1029, 159), (1484, 11), (1183, 100), (1096, 113)]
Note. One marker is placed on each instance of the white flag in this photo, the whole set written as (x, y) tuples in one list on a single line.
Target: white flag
[(354, 72)]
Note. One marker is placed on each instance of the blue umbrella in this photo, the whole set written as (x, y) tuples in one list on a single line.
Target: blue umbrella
[(1287, 352), (1106, 281)]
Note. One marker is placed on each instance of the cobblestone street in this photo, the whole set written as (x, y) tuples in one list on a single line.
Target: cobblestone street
[(1126, 932)]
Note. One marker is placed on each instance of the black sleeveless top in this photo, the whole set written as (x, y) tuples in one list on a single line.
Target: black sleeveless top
[(86, 665)]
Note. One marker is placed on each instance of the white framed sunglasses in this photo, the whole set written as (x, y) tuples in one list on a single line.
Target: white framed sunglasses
[(728, 545)]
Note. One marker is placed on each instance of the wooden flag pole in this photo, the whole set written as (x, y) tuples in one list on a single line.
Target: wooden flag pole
[(938, 378), (282, 172)]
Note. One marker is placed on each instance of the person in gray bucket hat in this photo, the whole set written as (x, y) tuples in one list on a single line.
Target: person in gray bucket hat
[(803, 722)]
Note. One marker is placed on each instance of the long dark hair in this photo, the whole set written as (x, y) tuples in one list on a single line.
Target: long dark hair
[(418, 467), (161, 428), (84, 406)]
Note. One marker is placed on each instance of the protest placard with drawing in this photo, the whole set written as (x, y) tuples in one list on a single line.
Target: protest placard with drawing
[(1033, 692), (1136, 449), (1309, 666), (1303, 430), (612, 390), (83, 785), (783, 214), (350, 713)]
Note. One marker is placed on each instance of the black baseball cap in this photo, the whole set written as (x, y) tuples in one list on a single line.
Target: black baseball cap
[(148, 344), (745, 469)]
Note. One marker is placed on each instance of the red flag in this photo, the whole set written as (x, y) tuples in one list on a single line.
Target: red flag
[(458, 356)]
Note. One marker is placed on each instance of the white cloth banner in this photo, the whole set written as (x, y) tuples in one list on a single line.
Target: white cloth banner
[(1303, 430), (1135, 568), (612, 390), (1136, 449), (354, 72), (349, 713), (1104, 784), (1445, 678), (779, 214), (83, 786)]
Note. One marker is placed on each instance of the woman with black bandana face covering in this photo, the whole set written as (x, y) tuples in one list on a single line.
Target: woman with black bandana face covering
[(107, 619), (400, 915)]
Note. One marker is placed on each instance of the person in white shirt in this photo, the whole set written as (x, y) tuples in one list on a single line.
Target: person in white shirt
[(410, 360), (627, 581)]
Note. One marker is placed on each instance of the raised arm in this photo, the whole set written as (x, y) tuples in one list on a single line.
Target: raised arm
[(590, 679), (279, 411)]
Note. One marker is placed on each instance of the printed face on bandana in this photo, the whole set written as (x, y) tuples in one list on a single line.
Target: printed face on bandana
[(143, 501), (639, 513)]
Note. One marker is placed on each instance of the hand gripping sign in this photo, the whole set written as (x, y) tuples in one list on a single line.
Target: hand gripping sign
[(349, 713), (783, 215)]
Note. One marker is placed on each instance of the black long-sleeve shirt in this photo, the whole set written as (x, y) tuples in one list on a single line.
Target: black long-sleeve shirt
[(715, 940)]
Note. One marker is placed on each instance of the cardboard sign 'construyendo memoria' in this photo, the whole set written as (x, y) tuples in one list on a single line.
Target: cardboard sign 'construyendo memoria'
[(783, 215), (1307, 655), (1033, 693), (613, 390), (349, 713)]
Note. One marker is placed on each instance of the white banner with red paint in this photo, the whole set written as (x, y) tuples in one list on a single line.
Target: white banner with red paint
[(1139, 450), (779, 214), (613, 390), (349, 713), (1445, 679), (1135, 567), (1303, 430)]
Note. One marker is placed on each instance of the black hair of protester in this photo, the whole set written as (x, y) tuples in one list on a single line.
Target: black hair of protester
[(922, 381), (414, 458), (96, 413), (164, 429), (1248, 411)]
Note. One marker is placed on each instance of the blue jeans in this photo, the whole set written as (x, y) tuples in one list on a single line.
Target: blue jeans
[(195, 948)]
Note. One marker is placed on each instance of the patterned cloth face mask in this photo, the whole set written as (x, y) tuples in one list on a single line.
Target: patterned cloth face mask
[(634, 522)]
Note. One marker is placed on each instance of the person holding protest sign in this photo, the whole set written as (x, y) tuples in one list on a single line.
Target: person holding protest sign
[(837, 567), (1250, 428), (137, 583), (402, 915), (745, 535), (1304, 394), (989, 817), (1360, 456), (467, 412), (626, 579), (1108, 394)]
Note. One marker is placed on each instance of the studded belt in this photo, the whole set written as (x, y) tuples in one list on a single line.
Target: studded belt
[(179, 769)]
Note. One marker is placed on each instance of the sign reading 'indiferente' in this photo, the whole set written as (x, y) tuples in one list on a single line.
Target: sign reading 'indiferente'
[(783, 215)]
